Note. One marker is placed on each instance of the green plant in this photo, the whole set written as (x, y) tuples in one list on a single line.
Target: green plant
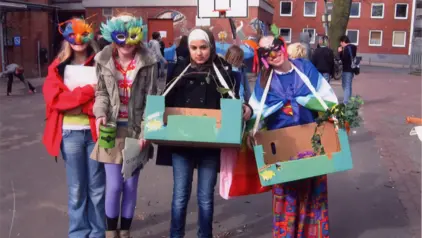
[(347, 116)]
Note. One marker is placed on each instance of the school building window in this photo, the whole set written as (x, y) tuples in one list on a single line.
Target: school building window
[(355, 10), (311, 34), (286, 8), (353, 36), (401, 11), (309, 9), (286, 33), (399, 38), (375, 38), (377, 10)]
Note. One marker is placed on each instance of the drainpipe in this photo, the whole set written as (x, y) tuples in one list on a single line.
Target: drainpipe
[(412, 26), (3, 61), (326, 17)]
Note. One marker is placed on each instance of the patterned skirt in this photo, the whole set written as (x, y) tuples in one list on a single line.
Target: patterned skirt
[(300, 209)]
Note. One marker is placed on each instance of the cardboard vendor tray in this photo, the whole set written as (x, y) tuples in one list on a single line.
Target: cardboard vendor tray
[(192, 126), (277, 151)]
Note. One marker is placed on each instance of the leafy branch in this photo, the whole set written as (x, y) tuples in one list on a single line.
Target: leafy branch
[(347, 116)]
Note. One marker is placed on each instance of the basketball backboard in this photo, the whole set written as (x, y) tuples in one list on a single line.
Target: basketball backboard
[(235, 8)]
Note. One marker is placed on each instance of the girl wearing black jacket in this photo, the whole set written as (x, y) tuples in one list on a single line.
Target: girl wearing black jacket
[(197, 88)]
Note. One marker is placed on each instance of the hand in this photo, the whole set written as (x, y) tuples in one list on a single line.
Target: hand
[(143, 144), (340, 49), (166, 62), (94, 86), (247, 112), (74, 111), (98, 122)]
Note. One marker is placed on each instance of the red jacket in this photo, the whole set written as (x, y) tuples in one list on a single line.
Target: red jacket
[(59, 99)]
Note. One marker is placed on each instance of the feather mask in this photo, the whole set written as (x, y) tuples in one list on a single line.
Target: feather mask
[(123, 30), (76, 31)]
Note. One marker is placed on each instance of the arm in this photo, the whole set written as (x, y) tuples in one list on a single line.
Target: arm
[(157, 51), (56, 97), (314, 57), (87, 108), (102, 99)]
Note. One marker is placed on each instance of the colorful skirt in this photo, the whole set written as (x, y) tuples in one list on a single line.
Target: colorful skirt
[(300, 209)]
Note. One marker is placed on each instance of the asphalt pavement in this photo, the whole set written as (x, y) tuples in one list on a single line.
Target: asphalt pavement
[(363, 202)]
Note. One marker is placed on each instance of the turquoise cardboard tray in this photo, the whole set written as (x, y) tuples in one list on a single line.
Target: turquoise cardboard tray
[(287, 171), (182, 130)]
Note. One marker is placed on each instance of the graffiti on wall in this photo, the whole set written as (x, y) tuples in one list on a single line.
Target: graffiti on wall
[(258, 26), (179, 20)]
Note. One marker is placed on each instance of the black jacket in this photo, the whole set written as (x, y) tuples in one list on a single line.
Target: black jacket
[(346, 59), (196, 89), (182, 53), (323, 59)]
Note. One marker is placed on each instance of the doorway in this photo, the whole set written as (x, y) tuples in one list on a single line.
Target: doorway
[(165, 27)]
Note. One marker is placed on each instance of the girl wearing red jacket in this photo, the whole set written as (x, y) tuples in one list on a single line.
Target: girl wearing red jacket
[(70, 128)]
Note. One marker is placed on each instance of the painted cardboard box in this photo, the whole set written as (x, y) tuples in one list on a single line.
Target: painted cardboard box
[(193, 127), (275, 150)]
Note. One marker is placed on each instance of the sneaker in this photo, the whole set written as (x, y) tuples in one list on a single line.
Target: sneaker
[(30, 92), (34, 91), (9, 94)]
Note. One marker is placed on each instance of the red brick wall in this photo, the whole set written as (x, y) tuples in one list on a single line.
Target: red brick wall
[(190, 17), (364, 24)]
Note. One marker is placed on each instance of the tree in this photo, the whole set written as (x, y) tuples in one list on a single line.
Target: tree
[(339, 20)]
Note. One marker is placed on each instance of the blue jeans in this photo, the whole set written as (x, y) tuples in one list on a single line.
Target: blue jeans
[(86, 185), (326, 76), (207, 179), (346, 83)]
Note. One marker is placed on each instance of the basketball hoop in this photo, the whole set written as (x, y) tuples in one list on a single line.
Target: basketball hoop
[(222, 12)]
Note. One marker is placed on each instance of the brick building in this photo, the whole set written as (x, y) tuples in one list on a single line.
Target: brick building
[(176, 18), (380, 28), (27, 30)]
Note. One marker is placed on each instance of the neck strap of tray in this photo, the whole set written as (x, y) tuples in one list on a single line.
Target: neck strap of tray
[(217, 72), (305, 80)]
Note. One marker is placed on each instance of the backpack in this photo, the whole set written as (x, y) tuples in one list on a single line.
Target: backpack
[(355, 63)]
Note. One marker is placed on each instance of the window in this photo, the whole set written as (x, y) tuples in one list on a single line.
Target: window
[(329, 8), (375, 38), (353, 36), (107, 11), (377, 10), (399, 38), (355, 10), (286, 8), (312, 34), (401, 11), (309, 9), (286, 33)]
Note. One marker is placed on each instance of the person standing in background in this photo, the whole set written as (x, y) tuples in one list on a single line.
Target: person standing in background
[(13, 70), (182, 51), (347, 53), (323, 58), (155, 46), (101, 41)]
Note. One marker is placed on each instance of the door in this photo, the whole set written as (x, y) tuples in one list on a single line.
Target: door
[(165, 27)]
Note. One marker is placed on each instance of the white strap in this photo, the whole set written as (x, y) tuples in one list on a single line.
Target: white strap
[(222, 81), (262, 103), (175, 81), (308, 83)]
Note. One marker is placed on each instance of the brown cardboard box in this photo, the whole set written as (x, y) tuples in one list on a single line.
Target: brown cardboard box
[(193, 112), (282, 144)]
